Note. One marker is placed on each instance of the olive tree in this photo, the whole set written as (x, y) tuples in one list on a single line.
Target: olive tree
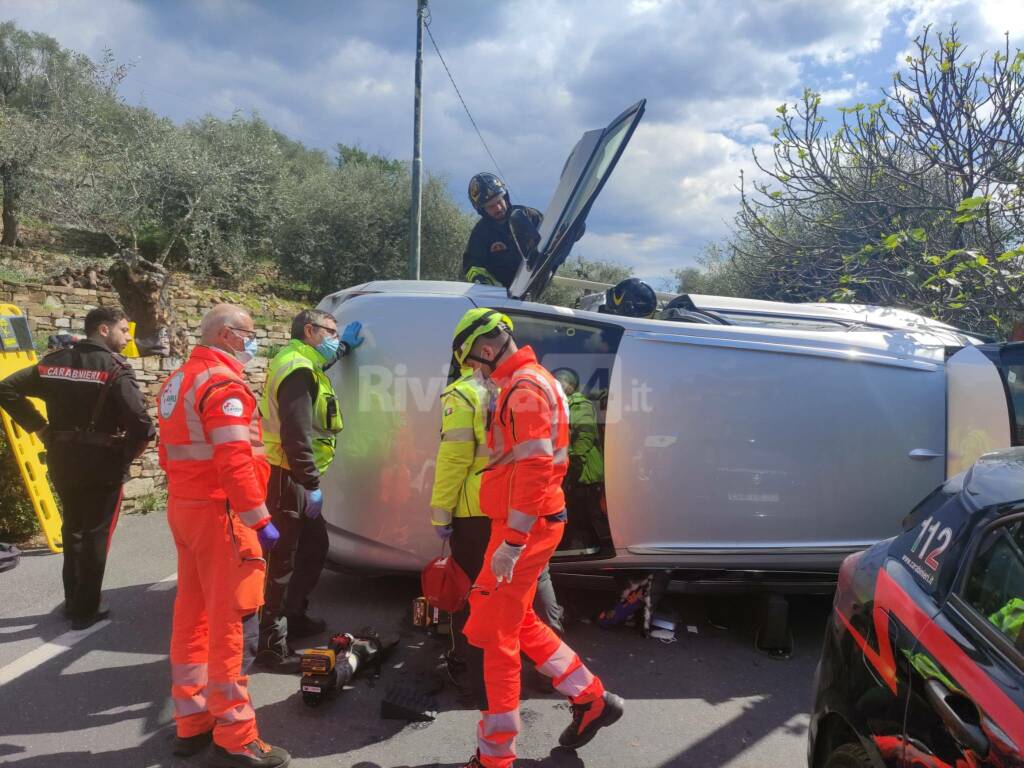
[(349, 224), (50, 102), (913, 200)]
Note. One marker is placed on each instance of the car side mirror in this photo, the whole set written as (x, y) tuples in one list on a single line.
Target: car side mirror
[(525, 235)]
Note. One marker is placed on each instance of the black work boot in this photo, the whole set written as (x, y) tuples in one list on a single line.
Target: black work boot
[(255, 754), (274, 654), (192, 745), (84, 621), (474, 762), (589, 718), (303, 625)]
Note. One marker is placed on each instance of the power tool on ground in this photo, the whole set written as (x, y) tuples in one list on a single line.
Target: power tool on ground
[(327, 669)]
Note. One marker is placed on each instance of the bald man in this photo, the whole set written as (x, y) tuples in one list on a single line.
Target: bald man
[(211, 447)]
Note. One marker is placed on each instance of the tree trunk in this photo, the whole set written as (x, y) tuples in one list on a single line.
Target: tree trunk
[(144, 290), (10, 213)]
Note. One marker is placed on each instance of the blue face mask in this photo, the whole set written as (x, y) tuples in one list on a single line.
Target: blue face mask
[(329, 349), (246, 353)]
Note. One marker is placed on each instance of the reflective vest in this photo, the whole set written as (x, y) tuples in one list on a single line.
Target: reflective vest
[(463, 453), (326, 414), (211, 446), (528, 440), (482, 276), (1010, 618), (585, 440)]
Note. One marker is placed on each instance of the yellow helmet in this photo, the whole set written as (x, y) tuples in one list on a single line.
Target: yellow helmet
[(474, 324)]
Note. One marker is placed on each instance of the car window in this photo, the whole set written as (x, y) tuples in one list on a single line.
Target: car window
[(995, 581), (1013, 372), (588, 350)]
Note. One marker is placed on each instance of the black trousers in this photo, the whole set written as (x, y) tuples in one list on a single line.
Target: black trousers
[(586, 517), (296, 561), (468, 542), (469, 545), (89, 514)]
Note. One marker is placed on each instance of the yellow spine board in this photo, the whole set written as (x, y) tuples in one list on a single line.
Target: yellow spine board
[(26, 446), (131, 350)]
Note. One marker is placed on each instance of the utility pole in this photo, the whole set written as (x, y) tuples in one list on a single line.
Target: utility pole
[(416, 213)]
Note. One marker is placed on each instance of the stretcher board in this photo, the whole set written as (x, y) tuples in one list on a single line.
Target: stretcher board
[(131, 350), (16, 352)]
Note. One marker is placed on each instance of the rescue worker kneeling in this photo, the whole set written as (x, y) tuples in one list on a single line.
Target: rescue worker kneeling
[(521, 491), (211, 449)]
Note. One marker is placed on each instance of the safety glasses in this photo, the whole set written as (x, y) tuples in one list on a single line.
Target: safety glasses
[(332, 333)]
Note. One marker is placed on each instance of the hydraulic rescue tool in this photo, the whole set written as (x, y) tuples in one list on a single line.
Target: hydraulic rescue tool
[(327, 669)]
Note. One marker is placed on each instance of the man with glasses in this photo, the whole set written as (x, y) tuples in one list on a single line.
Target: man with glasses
[(212, 450), (301, 419)]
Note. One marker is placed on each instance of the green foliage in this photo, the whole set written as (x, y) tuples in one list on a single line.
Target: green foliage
[(211, 196), (912, 201), (17, 517), (151, 502), (350, 224), (581, 268)]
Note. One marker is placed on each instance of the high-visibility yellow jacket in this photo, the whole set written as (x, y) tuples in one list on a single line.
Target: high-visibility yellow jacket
[(327, 421), (463, 452), (585, 460)]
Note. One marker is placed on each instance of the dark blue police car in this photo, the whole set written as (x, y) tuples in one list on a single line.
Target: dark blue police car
[(923, 661)]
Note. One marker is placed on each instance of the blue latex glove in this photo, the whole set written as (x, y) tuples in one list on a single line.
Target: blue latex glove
[(351, 336), (443, 532), (314, 503), (268, 537)]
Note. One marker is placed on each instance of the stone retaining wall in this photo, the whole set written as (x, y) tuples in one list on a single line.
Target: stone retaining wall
[(54, 308)]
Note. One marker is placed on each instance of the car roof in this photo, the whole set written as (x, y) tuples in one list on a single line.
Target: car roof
[(881, 317), (919, 349), (996, 478)]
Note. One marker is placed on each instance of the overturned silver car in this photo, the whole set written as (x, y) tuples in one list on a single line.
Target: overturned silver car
[(734, 450)]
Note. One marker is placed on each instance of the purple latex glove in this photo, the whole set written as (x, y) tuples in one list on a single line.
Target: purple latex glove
[(268, 536)]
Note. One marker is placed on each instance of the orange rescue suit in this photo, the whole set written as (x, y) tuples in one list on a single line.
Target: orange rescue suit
[(212, 451), (521, 491)]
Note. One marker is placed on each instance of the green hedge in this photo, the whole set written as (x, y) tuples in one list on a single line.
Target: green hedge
[(17, 517)]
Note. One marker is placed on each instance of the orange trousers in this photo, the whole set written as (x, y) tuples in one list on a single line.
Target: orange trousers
[(502, 623), (221, 572)]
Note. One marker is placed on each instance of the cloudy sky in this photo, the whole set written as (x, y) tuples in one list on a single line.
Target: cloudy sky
[(536, 74)]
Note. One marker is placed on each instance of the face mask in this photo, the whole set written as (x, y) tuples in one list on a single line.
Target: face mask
[(247, 352), (329, 349)]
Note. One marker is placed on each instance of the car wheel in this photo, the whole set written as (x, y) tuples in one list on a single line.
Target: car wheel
[(849, 756)]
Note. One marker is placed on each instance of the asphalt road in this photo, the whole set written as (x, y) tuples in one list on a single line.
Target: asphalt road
[(100, 698)]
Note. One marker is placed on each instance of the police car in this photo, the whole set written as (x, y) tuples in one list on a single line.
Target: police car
[(923, 662)]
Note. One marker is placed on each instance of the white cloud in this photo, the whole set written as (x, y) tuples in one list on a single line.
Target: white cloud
[(535, 73)]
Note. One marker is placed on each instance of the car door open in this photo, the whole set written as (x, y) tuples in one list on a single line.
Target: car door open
[(584, 174)]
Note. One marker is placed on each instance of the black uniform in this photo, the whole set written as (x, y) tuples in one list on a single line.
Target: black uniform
[(492, 248), (97, 426)]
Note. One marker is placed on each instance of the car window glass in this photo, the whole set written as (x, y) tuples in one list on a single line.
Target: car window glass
[(604, 155), (1013, 372), (588, 350), (995, 582)]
